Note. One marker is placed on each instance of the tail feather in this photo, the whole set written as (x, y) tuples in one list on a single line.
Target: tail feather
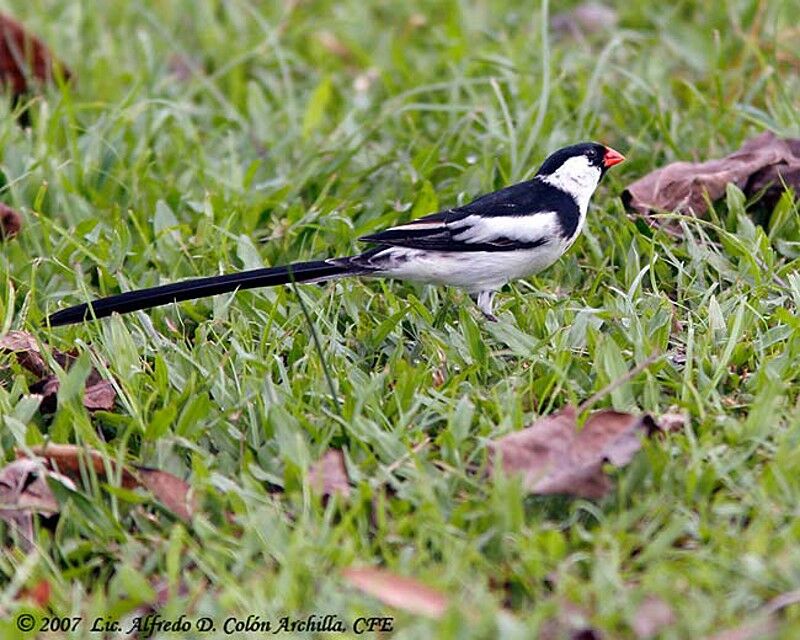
[(198, 288)]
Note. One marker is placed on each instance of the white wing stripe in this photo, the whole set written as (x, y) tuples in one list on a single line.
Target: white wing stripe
[(523, 228), (418, 226)]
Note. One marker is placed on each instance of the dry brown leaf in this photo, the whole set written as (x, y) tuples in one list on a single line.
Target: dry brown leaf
[(764, 625), (24, 346), (782, 601), (99, 394), (39, 593), (652, 615), (10, 222), (570, 621), (69, 459), (24, 57), (168, 489), (672, 421), (762, 163), (586, 18), (555, 458), (396, 591), (23, 492), (182, 67), (328, 475), (173, 492)]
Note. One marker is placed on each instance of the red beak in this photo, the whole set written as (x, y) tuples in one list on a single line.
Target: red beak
[(612, 157)]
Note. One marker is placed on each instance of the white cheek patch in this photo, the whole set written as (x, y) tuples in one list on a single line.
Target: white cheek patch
[(577, 177), (530, 228)]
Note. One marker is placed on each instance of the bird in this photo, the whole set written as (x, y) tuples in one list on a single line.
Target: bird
[(479, 247)]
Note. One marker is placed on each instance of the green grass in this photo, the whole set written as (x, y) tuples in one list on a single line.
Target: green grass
[(283, 147)]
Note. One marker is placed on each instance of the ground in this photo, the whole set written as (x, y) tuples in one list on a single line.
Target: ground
[(200, 138)]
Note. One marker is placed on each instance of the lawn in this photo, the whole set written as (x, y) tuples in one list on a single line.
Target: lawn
[(206, 137)]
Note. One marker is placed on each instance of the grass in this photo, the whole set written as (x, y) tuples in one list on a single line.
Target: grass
[(299, 127)]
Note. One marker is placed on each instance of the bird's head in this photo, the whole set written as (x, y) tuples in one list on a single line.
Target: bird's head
[(577, 169)]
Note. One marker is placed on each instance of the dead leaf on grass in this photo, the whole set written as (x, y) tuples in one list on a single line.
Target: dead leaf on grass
[(170, 490), (397, 591), (23, 492), (586, 18), (672, 421), (764, 625), (555, 458), (651, 617), (763, 162), (570, 622), (39, 593), (99, 394), (328, 475), (10, 222), (70, 459), (167, 488), (24, 57), (24, 346), (183, 68)]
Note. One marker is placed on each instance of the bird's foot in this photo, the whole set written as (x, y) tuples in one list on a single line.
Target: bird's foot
[(484, 301)]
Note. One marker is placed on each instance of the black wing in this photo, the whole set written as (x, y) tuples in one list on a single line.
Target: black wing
[(429, 232), (449, 230)]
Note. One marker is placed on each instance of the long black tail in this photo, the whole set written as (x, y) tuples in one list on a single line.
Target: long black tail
[(198, 288)]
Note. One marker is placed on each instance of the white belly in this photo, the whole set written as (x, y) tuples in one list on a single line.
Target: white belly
[(474, 271)]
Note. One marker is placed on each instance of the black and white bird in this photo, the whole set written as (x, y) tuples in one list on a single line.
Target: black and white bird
[(501, 236)]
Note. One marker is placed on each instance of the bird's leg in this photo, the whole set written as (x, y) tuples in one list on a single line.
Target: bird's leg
[(484, 301)]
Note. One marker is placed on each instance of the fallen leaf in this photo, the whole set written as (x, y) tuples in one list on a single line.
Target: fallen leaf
[(571, 622), (672, 421), (162, 588), (70, 459), (23, 492), (586, 18), (10, 222), (182, 67), (39, 593), (652, 615), (24, 56), (782, 601), (555, 458), (399, 592), (24, 346), (764, 625), (23, 486), (328, 475), (99, 394), (762, 163), (168, 489)]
